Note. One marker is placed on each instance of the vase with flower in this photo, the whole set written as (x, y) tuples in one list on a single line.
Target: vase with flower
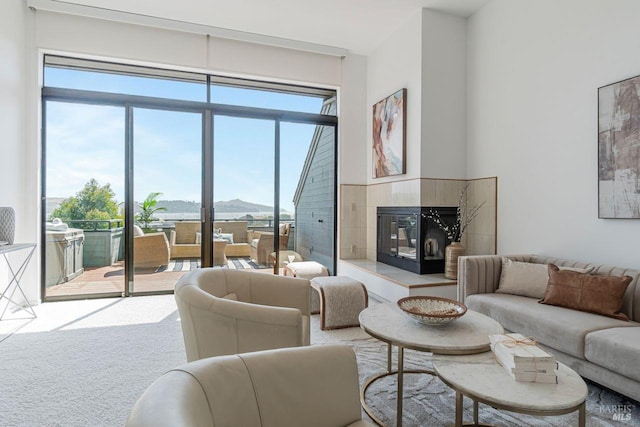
[(455, 231)]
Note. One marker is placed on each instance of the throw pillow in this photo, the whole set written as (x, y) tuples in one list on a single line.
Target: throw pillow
[(586, 292), (526, 279), (137, 231), (198, 238), (523, 278)]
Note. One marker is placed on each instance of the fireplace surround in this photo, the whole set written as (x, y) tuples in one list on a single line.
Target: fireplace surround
[(408, 239)]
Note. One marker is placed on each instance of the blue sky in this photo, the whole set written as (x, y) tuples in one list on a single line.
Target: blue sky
[(87, 141)]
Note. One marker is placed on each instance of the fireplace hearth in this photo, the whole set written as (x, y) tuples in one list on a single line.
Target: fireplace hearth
[(407, 239)]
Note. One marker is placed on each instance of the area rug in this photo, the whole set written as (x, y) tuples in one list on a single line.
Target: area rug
[(233, 263), (85, 363)]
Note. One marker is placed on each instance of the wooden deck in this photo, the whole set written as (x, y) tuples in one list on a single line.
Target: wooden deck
[(111, 279)]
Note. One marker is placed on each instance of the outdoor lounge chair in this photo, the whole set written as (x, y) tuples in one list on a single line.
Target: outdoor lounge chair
[(150, 250), (261, 244), (184, 239)]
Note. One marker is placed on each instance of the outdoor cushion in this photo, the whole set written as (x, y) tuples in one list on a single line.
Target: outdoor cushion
[(556, 327), (616, 349), (137, 231)]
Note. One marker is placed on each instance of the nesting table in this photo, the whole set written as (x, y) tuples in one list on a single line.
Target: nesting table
[(482, 379), (386, 322)]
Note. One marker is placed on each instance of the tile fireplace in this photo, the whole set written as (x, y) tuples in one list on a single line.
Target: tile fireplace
[(407, 239)]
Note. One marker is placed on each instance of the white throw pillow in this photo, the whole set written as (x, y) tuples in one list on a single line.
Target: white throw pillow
[(137, 231), (527, 279)]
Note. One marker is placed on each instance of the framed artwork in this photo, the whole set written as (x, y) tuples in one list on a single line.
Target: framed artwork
[(389, 135), (619, 149)]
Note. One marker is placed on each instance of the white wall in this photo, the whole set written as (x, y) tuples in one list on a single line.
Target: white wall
[(13, 122), (444, 101), (534, 68), (394, 65)]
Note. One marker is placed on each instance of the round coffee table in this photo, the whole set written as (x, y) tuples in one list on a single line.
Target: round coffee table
[(482, 379), (386, 322)]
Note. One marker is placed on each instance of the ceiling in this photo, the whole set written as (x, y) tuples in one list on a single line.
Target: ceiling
[(359, 26)]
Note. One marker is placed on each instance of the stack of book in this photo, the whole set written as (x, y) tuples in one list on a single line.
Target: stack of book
[(523, 359)]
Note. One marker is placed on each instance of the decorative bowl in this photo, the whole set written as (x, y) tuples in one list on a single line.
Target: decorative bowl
[(432, 310)]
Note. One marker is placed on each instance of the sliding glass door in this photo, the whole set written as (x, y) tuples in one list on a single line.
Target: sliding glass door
[(150, 173), (167, 197), (84, 192), (243, 190)]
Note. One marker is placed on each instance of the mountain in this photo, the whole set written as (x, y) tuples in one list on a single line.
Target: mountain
[(235, 205)]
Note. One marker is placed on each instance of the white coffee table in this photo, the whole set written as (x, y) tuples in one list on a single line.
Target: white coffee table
[(481, 378), (386, 322)]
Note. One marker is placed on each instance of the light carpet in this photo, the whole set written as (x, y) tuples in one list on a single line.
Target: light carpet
[(84, 363)]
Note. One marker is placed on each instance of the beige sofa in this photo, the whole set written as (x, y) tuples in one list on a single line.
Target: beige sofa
[(602, 349), (309, 386), (234, 311)]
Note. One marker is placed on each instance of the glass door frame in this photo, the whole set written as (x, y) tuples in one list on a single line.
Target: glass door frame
[(208, 111)]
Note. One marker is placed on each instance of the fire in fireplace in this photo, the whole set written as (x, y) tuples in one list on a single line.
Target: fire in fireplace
[(409, 240)]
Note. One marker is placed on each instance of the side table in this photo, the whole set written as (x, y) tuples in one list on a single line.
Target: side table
[(482, 379), (16, 275)]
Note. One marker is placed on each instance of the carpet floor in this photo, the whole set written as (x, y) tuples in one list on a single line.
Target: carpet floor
[(84, 363)]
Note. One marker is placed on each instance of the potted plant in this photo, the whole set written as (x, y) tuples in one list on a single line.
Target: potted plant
[(454, 232), (147, 209)]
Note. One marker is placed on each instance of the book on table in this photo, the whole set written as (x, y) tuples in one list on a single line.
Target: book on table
[(523, 359)]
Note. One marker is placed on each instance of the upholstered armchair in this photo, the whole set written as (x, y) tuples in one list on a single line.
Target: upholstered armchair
[(184, 240), (226, 311), (308, 386), (261, 243), (150, 250)]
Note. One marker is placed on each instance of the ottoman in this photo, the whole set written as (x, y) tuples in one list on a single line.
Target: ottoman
[(307, 270), (341, 301)]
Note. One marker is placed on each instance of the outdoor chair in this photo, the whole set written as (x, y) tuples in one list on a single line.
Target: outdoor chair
[(261, 244), (184, 239), (150, 250)]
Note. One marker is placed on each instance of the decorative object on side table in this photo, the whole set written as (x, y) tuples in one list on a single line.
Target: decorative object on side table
[(7, 224), (454, 232), (523, 360), (432, 310)]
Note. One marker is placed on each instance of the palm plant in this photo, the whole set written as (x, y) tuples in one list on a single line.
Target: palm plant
[(148, 208)]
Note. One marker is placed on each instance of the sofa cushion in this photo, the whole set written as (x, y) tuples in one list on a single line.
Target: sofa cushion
[(586, 292), (616, 349), (527, 279), (556, 327)]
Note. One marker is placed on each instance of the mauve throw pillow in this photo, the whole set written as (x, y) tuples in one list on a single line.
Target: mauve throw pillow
[(586, 292)]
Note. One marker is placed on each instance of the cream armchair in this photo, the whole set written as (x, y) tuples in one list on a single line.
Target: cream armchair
[(311, 386), (233, 311)]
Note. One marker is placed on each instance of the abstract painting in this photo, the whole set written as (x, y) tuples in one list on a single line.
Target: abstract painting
[(389, 135), (619, 149)]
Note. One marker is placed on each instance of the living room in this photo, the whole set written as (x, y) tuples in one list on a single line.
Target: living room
[(505, 89)]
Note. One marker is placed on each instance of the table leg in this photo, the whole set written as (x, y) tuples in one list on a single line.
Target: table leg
[(459, 408), (15, 281), (475, 412), (389, 364), (582, 415), (400, 385)]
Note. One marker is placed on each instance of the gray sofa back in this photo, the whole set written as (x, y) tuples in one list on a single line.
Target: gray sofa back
[(490, 267)]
